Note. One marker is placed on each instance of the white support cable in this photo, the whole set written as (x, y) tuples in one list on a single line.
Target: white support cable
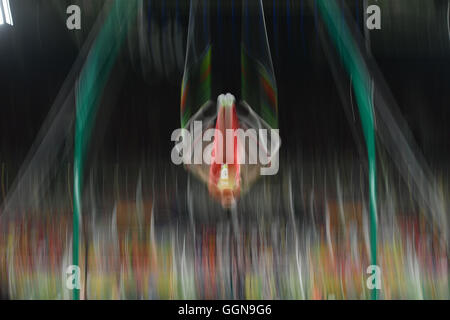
[(7, 12), (2, 21)]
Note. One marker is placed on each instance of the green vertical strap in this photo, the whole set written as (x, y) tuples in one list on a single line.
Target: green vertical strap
[(91, 83), (196, 86), (354, 64), (259, 88)]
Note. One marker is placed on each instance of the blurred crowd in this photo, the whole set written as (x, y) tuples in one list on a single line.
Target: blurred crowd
[(319, 249)]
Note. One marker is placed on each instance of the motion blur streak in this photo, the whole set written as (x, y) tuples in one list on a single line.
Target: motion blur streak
[(361, 81), (85, 132), (91, 83)]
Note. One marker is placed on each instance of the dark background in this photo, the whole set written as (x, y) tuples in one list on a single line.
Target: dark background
[(412, 51)]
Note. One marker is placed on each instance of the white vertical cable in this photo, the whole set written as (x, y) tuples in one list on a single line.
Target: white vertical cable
[(1, 16), (7, 12)]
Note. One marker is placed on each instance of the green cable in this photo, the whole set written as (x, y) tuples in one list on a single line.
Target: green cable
[(354, 64), (91, 83)]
